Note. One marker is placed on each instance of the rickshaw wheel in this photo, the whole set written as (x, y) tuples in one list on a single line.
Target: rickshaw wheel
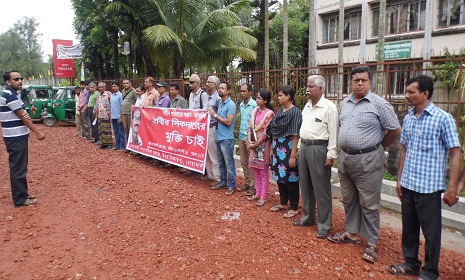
[(49, 122)]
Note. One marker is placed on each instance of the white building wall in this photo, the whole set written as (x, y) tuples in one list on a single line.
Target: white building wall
[(454, 42)]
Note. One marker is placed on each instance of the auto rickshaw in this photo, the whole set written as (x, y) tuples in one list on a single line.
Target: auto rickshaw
[(36, 99), (63, 107)]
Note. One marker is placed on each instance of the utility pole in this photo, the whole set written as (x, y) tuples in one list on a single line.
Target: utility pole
[(363, 34)]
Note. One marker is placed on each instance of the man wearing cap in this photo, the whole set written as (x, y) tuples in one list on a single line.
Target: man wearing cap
[(163, 100), (197, 98)]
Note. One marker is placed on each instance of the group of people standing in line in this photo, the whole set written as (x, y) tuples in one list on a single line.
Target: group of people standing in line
[(300, 147)]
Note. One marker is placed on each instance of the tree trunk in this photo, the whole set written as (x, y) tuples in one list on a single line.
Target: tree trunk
[(285, 43), (340, 51), (115, 55), (145, 53), (311, 38), (381, 31), (267, 46)]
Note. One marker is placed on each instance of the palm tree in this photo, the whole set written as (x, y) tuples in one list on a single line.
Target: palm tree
[(192, 33)]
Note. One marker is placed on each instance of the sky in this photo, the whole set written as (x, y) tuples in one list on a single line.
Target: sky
[(55, 19)]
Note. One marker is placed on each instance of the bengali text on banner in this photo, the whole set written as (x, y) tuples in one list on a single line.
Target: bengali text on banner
[(176, 136)]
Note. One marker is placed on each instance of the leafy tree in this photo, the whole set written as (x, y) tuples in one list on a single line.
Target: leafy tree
[(190, 33), (20, 50)]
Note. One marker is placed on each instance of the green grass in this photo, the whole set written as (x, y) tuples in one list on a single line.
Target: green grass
[(389, 177)]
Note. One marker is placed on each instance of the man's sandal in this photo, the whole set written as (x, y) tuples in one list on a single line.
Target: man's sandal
[(341, 237), (402, 269), (370, 254), (278, 207), (291, 214)]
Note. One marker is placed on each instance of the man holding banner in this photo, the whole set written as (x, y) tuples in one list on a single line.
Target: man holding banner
[(225, 141)]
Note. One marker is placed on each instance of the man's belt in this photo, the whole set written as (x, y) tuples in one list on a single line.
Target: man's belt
[(362, 151), (212, 125), (313, 142)]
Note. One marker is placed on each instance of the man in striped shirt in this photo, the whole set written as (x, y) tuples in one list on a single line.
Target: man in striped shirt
[(16, 124)]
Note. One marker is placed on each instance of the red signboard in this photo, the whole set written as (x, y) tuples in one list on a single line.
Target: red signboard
[(64, 68), (176, 136)]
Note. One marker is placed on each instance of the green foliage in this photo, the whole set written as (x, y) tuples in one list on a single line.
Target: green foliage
[(20, 49), (298, 35), (389, 177), (447, 73)]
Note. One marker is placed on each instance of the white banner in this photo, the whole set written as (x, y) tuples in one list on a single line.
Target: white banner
[(64, 52)]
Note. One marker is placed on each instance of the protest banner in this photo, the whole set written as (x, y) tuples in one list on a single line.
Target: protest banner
[(176, 136)]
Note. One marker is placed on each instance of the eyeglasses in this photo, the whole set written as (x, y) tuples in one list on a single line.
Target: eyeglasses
[(191, 82), (208, 82), (17, 79), (136, 118)]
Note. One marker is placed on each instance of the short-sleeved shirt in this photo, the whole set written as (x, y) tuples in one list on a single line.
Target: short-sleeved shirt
[(427, 140), (194, 99), (224, 132), (214, 101), (363, 124), (129, 99), (246, 113), (92, 99), (103, 105), (163, 101), (179, 103), (13, 127), (116, 101)]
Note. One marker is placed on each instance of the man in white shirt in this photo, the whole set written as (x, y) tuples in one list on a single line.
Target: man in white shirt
[(198, 98), (318, 139)]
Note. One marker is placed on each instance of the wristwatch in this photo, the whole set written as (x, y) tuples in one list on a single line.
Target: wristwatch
[(215, 115)]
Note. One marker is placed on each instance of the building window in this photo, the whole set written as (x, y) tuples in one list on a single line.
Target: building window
[(351, 27), (451, 12), (401, 18)]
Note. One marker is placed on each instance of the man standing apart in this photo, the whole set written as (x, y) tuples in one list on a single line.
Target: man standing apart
[(163, 100), (428, 135), (246, 107), (129, 98), (226, 118), (368, 124), (16, 124), (211, 165), (318, 139), (116, 101), (197, 98)]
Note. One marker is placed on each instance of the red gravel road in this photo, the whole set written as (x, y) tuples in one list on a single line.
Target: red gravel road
[(104, 214)]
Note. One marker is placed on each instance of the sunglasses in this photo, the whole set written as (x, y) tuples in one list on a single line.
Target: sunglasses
[(17, 79), (191, 82)]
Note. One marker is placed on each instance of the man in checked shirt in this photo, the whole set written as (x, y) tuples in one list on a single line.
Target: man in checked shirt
[(367, 125), (428, 135)]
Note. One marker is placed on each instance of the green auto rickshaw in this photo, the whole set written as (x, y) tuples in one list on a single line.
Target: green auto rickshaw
[(36, 99), (63, 107)]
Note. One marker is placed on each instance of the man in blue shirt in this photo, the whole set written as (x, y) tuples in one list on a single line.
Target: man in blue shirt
[(163, 100), (116, 102), (16, 124), (226, 118), (246, 107), (428, 134)]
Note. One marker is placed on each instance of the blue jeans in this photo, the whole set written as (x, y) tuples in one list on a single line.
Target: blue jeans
[(118, 130), (225, 149)]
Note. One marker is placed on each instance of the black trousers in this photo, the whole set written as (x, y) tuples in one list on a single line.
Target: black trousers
[(93, 128), (18, 160), (289, 192), (422, 211)]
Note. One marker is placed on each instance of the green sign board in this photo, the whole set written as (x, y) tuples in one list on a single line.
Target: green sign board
[(397, 50)]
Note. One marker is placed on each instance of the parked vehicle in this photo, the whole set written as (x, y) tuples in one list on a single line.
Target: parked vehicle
[(63, 107), (36, 99)]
